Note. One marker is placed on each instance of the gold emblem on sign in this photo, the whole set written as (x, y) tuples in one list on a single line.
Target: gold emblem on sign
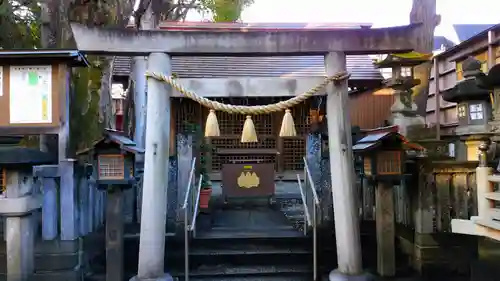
[(248, 180)]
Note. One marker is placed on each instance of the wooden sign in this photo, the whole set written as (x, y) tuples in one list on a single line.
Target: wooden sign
[(32, 98), (248, 180)]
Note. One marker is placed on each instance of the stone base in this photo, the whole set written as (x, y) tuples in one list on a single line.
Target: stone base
[(166, 277), (336, 275), (406, 123)]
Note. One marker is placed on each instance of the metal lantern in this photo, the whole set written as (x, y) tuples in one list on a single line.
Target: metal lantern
[(113, 158), (383, 156)]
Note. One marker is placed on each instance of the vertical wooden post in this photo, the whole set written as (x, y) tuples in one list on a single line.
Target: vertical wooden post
[(102, 204), (278, 118), (68, 208), (91, 207), (491, 49), (155, 185), (437, 96), (342, 173), (114, 234), (384, 202)]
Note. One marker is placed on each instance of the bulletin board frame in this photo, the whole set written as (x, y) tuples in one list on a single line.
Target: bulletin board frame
[(60, 62), (58, 102)]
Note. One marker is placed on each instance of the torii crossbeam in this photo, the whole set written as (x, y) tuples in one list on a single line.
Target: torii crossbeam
[(334, 44)]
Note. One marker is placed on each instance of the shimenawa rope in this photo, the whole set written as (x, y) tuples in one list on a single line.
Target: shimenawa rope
[(248, 133), (241, 109)]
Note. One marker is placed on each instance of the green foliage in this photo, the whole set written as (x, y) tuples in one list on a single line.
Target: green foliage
[(20, 22), (225, 10), (204, 148), (85, 127)]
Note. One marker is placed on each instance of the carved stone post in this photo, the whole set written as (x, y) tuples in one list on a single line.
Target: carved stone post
[(155, 183), (342, 174)]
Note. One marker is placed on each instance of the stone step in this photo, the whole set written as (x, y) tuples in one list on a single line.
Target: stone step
[(250, 233), (251, 249), (240, 253), (227, 271), (102, 277), (259, 278)]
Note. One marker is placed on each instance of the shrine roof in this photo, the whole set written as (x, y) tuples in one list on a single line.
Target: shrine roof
[(116, 137), (360, 66), (475, 41), (29, 56)]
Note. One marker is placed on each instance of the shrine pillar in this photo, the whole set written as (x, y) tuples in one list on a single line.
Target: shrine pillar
[(155, 183), (342, 174)]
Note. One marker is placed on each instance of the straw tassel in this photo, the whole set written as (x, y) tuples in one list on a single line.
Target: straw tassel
[(288, 126), (249, 134), (212, 125)]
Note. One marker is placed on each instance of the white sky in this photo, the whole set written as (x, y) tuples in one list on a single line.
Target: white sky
[(381, 13)]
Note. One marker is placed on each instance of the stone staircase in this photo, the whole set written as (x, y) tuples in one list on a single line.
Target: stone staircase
[(246, 243), (252, 240), (239, 253)]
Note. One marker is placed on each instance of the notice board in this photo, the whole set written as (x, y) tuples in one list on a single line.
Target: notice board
[(32, 98)]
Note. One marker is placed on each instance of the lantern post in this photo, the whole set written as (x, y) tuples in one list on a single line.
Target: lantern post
[(113, 160), (383, 156)]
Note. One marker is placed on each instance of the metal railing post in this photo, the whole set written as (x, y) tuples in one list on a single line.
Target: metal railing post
[(187, 216), (309, 183), (315, 246)]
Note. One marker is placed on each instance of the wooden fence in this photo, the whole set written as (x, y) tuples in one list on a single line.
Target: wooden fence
[(443, 190)]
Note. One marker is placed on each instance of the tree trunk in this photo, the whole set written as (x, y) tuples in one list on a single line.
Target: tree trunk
[(424, 11), (90, 104)]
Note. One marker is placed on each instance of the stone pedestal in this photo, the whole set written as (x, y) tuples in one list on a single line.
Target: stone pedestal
[(338, 276), (17, 207), (404, 110)]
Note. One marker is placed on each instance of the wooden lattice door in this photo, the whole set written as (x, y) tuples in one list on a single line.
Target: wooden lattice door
[(285, 153)]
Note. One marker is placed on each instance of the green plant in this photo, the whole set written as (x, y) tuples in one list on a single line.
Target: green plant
[(204, 149)]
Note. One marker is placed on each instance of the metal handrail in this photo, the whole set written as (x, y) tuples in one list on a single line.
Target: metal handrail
[(308, 182), (190, 180), (187, 224), (307, 216), (196, 205), (307, 171)]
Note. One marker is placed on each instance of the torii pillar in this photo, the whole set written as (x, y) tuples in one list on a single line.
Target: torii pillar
[(345, 211), (334, 43)]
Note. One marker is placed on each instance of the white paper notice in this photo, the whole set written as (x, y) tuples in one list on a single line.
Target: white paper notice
[(30, 94)]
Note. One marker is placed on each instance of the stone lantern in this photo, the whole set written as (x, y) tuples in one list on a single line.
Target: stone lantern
[(404, 109), (473, 107), (491, 82)]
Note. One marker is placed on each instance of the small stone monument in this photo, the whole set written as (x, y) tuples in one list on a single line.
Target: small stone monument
[(18, 203), (473, 107)]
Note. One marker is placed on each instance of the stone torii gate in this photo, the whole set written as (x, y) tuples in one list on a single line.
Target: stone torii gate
[(159, 45)]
